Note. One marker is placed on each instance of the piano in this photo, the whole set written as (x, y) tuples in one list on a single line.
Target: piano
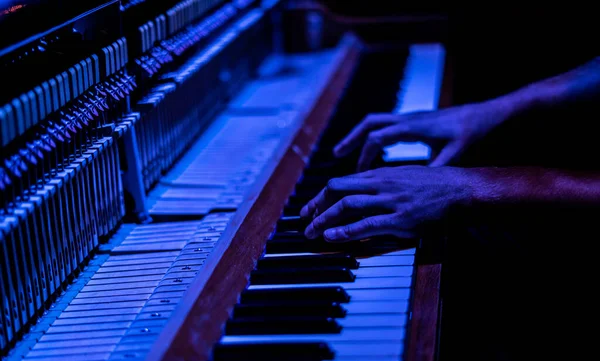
[(155, 156)]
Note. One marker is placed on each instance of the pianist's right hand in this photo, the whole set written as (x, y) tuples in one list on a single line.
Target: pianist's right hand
[(450, 130)]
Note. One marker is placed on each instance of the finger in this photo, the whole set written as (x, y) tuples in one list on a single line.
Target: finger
[(374, 144), (368, 227), (344, 209), (336, 189), (360, 132), (448, 154)]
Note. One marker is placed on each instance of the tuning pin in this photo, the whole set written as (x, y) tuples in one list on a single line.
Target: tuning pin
[(127, 81), (20, 163), (80, 121), (159, 55), (131, 80), (47, 144), (56, 134), (13, 169), (117, 83), (127, 88), (89, 108), (149, 72), (168, 45), (116, 90), (28, 156), (93, 103), (151, 63), (83, 110), (102, 102), (64, 134), (69, 128), (77, 114), (100, 90), (89, 105), (113, 91)]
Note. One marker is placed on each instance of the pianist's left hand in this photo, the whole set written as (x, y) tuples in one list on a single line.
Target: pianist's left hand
[(386, 201)]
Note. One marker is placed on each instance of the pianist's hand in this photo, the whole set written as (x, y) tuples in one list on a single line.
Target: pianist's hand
[(451, 130), (387, 201)]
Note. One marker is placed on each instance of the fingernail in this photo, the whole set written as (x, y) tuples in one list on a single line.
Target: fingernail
[(310, 232), (332, 235), (336, 150), (304, 212)]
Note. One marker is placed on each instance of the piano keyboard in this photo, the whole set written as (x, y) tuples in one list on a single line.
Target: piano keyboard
[(344, 306)]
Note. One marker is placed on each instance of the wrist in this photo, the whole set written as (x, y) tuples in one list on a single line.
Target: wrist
[(505, 186), (536, 96), (513, 104)]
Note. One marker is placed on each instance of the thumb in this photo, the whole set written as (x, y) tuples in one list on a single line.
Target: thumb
[(449, 153)]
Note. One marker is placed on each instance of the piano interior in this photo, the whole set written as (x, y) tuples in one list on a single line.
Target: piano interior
[(155, 158)]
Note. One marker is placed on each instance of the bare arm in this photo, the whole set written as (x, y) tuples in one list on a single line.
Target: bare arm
[(534, 186), (572, 88)]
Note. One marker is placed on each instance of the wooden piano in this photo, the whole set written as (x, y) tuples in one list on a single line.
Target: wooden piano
[(154, 157)]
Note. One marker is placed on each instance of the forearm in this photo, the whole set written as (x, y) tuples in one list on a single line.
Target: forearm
[(534, 187), (577, 86)]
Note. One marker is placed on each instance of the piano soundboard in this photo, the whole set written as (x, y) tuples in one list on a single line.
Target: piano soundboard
[(150, 195)]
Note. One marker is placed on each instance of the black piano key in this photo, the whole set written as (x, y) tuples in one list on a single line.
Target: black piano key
[(294, 308), (301, 275), (325, 260), (292, 235), (298, 201), (291, 210), (274, 325), (298, 243), (276, 351), (292, 223), (315, 294)]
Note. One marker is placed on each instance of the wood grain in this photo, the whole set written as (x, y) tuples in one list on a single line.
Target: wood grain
[(197, 323)]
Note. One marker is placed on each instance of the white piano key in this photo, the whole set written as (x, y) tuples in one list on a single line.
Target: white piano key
[(387, 261), (367, 351), (372, 321), (357, 307), (379, 294), (359, 283), (384, 271), (347, 335)]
